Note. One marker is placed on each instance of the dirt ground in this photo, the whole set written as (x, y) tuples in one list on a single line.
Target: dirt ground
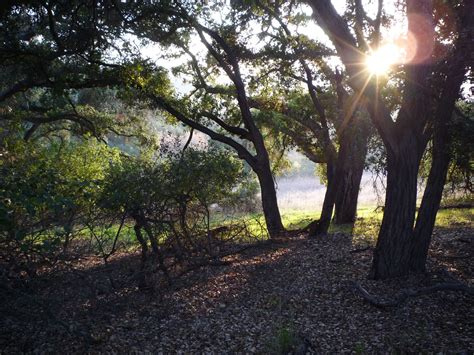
[(293, 295)]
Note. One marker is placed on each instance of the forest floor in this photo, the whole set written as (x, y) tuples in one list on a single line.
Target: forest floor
[(291, 295)]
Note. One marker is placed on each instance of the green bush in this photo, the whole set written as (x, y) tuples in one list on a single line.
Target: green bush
[(170, 197), (46, 190), (60, 195)]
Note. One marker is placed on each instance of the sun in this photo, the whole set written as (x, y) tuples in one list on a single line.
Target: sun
[(380, 61)]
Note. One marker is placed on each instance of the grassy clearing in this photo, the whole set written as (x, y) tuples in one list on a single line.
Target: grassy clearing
[(104, 238), (445, 217), (452, 217), (364, 232), (369, 220), (367, 225)]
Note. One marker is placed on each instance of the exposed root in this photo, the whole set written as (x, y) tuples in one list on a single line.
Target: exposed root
[(410, 292)]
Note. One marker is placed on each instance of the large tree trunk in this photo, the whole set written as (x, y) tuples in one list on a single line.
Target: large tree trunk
[(393, 253), (270, 208), (348, 194), (343, 176), (393, 250), (354, 145)]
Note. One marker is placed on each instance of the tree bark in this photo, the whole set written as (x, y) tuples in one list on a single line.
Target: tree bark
[(392, 252), (405, 138), (348, 194), (142, 284), (270, 208), (138, 233), (441, 155), (354, 145), (344, 175), (430, 205)]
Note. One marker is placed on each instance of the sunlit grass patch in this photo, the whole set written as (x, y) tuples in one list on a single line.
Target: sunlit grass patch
[(366, 228), (102, 239), (364, 231), (297, 219), (455, 216)]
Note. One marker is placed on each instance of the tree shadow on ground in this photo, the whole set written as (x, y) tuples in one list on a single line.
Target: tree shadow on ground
[(293, 291)]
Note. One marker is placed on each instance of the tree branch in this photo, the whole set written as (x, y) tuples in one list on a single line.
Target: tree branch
[(242, 152), (338, 31), (242, 133)]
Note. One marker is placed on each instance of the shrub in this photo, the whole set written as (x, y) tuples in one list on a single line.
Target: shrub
[(45, 192), (169, 199)]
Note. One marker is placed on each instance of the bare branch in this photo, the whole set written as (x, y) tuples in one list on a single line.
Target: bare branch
[(338, 31), (242, 133), (360, 17)]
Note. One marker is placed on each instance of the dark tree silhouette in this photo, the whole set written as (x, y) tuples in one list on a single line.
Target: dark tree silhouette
[(431, 87)]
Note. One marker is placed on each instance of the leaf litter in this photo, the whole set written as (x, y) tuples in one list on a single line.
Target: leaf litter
[(288, 296)]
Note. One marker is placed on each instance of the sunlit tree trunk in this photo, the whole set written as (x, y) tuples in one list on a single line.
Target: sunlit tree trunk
[(270, 208)]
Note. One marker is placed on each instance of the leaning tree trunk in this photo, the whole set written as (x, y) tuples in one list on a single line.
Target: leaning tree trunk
[(354, 145), (270, 208), (392, 253), (429, 207), (441, 144), (321, 226)]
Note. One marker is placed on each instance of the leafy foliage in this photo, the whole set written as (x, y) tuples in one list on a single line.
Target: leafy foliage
[(45, 192)]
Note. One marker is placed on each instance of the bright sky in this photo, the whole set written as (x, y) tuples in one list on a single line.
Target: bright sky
[(378, 64)]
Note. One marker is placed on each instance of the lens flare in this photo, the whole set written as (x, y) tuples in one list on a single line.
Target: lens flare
[(381, 60)]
